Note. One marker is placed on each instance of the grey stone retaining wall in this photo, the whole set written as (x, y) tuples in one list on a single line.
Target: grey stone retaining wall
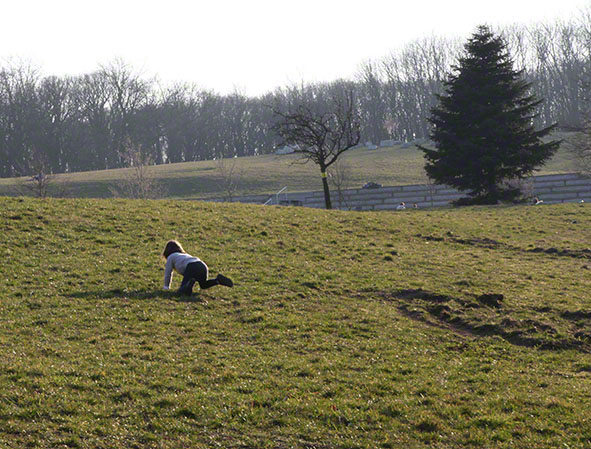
[(562, 188)]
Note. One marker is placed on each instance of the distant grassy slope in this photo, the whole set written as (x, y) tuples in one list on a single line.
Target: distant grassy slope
[(344, 329), (269, 173)]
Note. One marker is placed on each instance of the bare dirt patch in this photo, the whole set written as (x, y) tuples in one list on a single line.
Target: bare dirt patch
[(487, 315), (485, 242)]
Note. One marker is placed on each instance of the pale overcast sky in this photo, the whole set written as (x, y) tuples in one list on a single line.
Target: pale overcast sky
[(253, 46)]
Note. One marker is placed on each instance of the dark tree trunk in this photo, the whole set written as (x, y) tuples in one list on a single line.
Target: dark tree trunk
[(326, 190)]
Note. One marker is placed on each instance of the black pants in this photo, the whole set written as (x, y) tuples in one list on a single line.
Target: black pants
[(196, 272)]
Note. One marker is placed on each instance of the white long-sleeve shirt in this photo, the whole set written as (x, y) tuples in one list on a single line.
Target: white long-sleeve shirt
[(178, 262)]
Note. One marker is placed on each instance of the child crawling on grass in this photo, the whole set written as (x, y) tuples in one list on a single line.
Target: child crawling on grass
[(192, 268)]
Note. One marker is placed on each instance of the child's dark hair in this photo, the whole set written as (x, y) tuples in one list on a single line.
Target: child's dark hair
[(172, 246)]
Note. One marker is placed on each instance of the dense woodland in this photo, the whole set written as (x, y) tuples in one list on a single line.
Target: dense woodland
[(90, 122)]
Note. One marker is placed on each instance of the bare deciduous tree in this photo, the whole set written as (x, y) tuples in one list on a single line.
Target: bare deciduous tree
[(321, 130), (37, 185), (128, 94), (580, 143), (371, 102), (41, 182), (432, 189), (340, 178), (140, 182), (580, 148), (230, 174)]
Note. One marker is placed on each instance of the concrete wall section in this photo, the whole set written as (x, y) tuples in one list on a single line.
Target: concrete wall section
[(560, 188)]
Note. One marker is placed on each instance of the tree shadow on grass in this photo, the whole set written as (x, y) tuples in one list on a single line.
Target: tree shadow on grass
[(118, 293)]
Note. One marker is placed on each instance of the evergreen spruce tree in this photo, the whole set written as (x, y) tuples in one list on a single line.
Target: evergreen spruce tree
[(483, 126)]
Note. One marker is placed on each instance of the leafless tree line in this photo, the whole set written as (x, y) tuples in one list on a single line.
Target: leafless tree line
[(88, 122), (397, 92)]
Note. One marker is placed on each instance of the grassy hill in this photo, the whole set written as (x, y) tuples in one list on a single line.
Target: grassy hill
[(446, 328), (268, 174)]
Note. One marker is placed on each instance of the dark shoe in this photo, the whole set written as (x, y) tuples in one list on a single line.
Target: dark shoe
[(223, 280), (187, 289)]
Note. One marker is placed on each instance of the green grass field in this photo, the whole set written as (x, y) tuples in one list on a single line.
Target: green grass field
[(344, 329), (268, 174)]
